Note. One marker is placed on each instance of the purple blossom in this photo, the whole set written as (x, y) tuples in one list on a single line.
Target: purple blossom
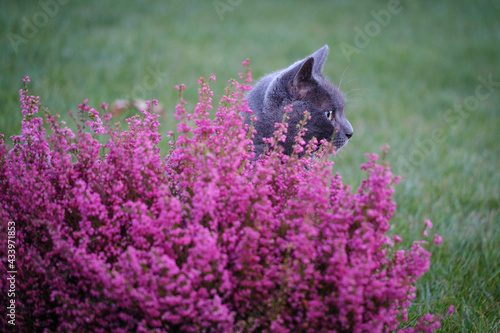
[(438, 239), (112, 236), (397, 239)]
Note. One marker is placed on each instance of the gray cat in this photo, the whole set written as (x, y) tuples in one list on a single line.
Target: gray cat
[(303, 86)]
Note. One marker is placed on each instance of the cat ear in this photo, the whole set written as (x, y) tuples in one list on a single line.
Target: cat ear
[(319, 58), (305, 72), (301, 82)]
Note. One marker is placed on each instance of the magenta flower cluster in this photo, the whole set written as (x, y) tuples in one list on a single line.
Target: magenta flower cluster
[(113, 237)]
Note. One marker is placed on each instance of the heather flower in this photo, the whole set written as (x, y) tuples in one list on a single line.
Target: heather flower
[(104, 106), (438, 239), (113, 236)]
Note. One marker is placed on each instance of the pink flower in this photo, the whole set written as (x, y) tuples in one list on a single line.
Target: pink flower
[(438, 239), (127, 239), (397, 239), (451, 309), (104, 106), (385, 148), (428, 223)]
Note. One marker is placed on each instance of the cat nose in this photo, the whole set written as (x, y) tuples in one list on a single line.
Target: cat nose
[(349, 135)]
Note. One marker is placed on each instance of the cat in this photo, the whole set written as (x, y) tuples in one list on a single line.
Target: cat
[(304, 87)]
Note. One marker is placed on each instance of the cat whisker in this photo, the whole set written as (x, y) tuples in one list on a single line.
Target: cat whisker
[(346, 95), (342, 77), (355, 100)]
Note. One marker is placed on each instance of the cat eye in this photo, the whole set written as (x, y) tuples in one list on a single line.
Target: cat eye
[(329, 115)]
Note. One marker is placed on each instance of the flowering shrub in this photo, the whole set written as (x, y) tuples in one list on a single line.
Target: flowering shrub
[(111, 236)]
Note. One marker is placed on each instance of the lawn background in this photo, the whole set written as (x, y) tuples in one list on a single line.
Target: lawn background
[(405, 83)]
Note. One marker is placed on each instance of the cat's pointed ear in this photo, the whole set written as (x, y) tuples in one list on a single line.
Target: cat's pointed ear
[(319, 58), (305, 72), (301, 82)]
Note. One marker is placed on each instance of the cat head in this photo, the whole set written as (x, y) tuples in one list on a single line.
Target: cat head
[(304, 87)]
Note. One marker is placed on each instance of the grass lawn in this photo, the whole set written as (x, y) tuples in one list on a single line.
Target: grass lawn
[(422, 76)]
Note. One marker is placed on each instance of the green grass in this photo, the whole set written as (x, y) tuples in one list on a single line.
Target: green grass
[(424, 62)]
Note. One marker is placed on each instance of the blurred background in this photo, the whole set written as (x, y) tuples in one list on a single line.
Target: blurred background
[(421, 76)]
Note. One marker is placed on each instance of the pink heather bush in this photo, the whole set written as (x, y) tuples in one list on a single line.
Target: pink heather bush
[(114, 237)]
